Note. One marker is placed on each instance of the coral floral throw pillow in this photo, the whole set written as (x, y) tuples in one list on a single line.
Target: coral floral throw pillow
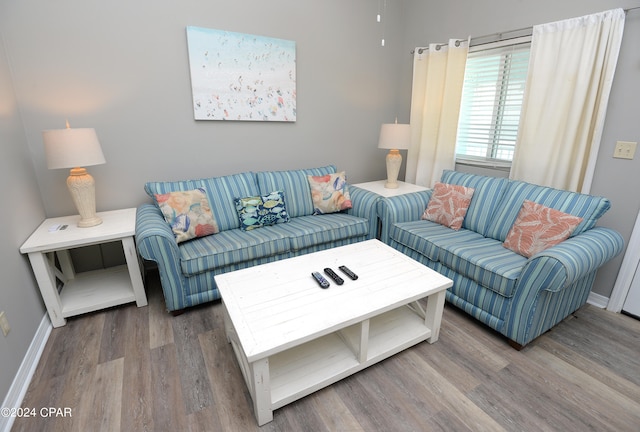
[(448, 205), (538, 227), (188, 214)]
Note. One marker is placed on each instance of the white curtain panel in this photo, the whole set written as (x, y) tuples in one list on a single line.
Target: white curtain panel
[(571, 69), (438, 75)]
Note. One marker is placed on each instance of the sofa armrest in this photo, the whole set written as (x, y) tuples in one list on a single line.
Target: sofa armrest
[(563, 264), (402, 208), (155, 242), (556, 282), (364, 205), (151, 226)]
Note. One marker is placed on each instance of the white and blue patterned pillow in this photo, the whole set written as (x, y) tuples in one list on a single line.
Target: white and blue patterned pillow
[(329, 193), (258, 211)]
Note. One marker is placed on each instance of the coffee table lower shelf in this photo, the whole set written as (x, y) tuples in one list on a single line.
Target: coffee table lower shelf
[(299, 371)]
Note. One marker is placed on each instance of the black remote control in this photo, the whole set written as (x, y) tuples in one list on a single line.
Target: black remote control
[(321, 281), (334, 276), (345, 270)]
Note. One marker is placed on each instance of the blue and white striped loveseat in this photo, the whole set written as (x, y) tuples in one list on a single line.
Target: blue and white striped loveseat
[(187, 269), (520, 298)]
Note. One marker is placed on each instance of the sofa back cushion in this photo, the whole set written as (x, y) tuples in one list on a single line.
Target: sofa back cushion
[(590, 208), (295, 186), (487, 194), (221, 192)]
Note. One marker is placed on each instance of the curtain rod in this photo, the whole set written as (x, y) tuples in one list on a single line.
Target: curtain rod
[(527, 31), (438, 46)]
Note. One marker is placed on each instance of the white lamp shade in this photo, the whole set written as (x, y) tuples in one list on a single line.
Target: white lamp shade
[(395, 136), (69, 148)]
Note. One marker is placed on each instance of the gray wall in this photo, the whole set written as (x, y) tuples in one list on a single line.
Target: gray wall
[(122, 68), (22, 211), (435, 21)]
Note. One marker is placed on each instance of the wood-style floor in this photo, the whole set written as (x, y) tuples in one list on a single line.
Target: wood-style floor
[(140, 369)]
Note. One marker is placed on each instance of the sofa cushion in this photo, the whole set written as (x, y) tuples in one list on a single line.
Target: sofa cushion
[(488, 192), (231, 247), (448, 205), (538, 227), (485, 261), (295, 186), (590, 208), (221, 192), (188, 213), (309, 231), (465, 252), (429, 237), (329, 193)]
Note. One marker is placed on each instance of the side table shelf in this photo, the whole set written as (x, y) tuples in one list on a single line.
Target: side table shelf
[(88, 291), (96, 290)]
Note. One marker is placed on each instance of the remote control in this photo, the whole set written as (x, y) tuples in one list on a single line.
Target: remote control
[(345, 270), (321, 281), (334, 276)]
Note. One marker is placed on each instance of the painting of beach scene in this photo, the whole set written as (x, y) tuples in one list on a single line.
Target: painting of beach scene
[(236, 76)]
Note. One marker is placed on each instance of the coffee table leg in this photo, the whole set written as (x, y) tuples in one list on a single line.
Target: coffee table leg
[(228, 325), (256, 375), (433, 314), (261, 387)]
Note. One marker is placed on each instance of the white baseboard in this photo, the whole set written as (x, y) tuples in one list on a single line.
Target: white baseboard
[(25, 372), (598, 300)]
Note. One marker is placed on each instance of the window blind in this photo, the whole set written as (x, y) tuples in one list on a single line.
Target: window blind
[(493, 90)]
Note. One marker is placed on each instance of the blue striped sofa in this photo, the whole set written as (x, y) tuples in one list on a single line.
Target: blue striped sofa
[(520, 298), (187, 269)]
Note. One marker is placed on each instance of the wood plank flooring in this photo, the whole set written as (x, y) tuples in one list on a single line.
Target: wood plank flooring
[(140, 369)]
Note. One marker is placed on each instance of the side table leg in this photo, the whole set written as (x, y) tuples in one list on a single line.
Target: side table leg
[(261, 391), (131, 256), (433, 314), (66, 265), (47, 283)]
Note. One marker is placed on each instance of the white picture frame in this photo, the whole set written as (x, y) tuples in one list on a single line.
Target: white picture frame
[(237, 76)]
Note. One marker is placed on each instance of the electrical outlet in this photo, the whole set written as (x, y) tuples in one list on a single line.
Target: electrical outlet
[(625, 150), (4, 324)]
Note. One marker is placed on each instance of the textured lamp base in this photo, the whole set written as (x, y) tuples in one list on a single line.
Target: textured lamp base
[(394, 160), (82, 188)]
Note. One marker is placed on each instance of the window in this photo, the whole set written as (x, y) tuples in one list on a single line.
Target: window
[(494, 81)]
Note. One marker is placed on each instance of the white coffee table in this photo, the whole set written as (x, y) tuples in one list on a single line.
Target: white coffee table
[(292, 337)]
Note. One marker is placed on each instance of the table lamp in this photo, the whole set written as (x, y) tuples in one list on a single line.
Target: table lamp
[(395, 137), (76, 148)]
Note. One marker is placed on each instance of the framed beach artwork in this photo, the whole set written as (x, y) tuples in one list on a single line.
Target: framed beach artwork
[(236, 76)]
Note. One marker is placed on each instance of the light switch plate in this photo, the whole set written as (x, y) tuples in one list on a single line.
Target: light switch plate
[(625, 150)]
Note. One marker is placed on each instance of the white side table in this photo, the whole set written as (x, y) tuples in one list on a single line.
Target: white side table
[(87, 291), (377, 187)]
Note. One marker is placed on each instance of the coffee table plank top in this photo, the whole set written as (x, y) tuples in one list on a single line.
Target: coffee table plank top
[(279, 305)]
